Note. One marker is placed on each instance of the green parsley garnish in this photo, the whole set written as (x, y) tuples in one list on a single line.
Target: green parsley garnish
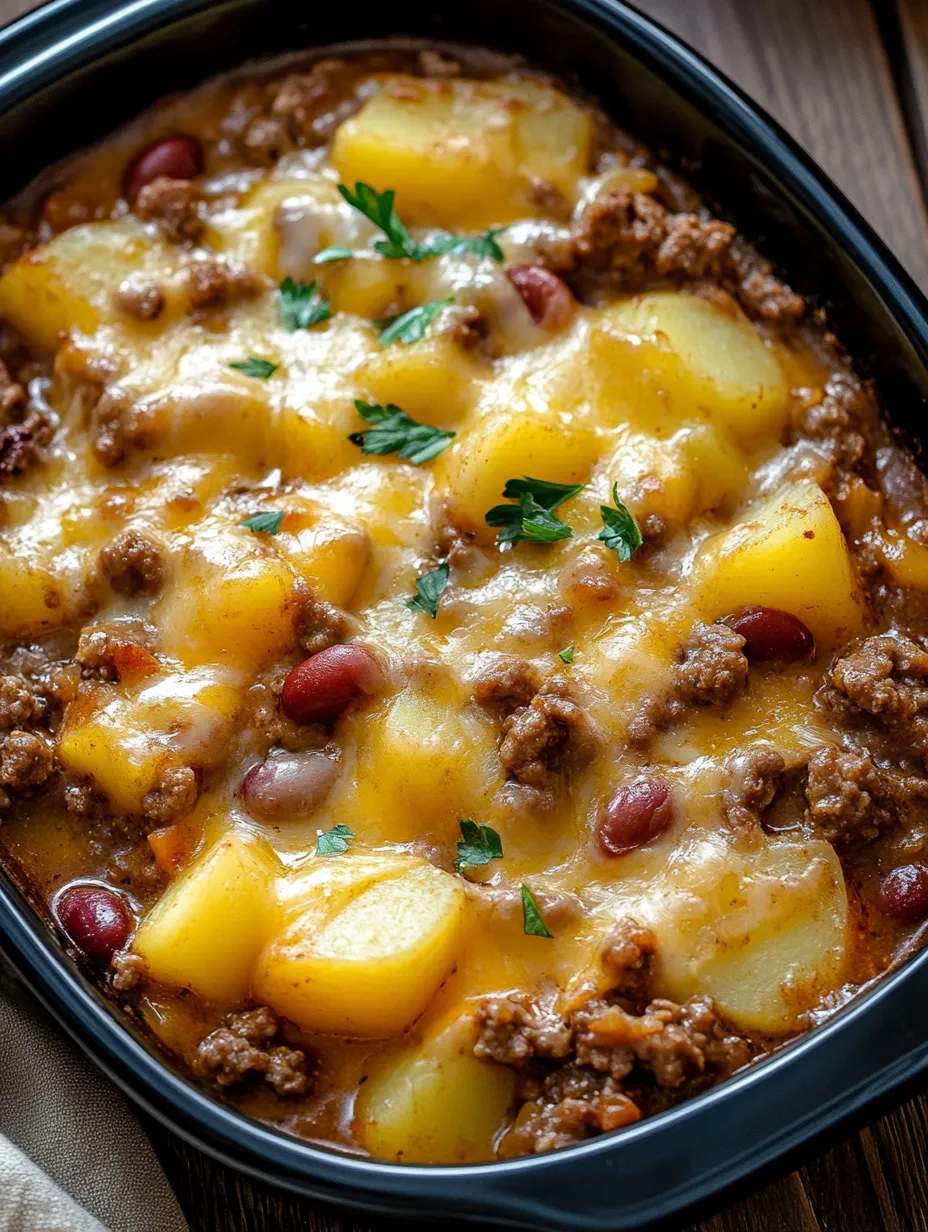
[(334, 253), (484, 245), (532, 923), (620, 530), (395, 432), (262, 368), (479, 845), (334, 842), (429, 590), (410, 326), (268, 522), (301, 305), (378, 207), (566, 655), (533, 517)]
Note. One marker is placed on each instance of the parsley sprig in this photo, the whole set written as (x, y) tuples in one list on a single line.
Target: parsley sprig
[(334, 842), (301, 305), (267, 522), (411, 326), (533, 924), (395, 432), (532, 517), (566, 655), (620, 530), (478, 845), (429, 590), (252, 366), (399, 242)]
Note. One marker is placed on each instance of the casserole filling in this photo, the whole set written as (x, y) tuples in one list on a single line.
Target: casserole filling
[(463, 682)]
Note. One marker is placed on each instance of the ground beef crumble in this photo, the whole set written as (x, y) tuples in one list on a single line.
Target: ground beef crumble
[(175, 205), (756, 776), (598, 1065), (240, 1049), (543, 730), (175, 794), (214, 283), (710, 670), (133, 565)]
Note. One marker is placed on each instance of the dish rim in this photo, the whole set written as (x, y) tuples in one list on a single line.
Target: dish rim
[(681, 1150)]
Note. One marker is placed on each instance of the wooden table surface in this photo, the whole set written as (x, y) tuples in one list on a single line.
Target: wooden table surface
[(849, 79)]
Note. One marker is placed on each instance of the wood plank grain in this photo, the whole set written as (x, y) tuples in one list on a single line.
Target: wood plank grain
[(911, 19), (827, 79)]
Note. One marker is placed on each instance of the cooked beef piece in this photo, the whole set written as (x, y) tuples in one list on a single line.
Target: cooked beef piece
[(756, 776), (175, 205), (21, 443), (127, 970), (883, 683), (851, 799), (240, 1049), (20, 704), (215, 282), (144, 300), (573, 1066), (836, 418), (106, 651), (133, 564), (26, 760), (507, 685), (175, 794), (711, 670), (321, 625), (759, 292)]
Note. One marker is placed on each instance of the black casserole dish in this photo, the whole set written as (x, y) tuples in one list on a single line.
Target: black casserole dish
[(69, 75)]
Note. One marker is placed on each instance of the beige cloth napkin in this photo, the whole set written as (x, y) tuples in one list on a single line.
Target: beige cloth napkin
[(73, 1158)]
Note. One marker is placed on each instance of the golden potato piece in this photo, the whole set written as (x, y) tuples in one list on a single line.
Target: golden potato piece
[(763, 931), (465, 153), (473, 471), (433, 1102), (370, 966), (32, 600), (692, 359), (207, 930), (788, 553), (69, 282), (126, 742)]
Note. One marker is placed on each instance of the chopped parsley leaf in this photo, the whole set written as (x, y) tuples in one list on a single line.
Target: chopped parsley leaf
[(532, 518), (566, 655), (334, 842), (532, 923), (478, 845), (261, 368), (334, 253), (395, 432), (429, 590), (411, 326), (620, 530), (378, 207), (267, 522), (301, 305)]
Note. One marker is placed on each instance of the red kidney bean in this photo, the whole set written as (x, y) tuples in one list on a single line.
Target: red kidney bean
[(636, 814), (772, 634), (288, 785), (179, 158), (97, 920), (904, 893), (322, 686), (547, 297)]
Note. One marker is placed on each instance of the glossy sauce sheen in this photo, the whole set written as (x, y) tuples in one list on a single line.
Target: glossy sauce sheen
[(672, 397)]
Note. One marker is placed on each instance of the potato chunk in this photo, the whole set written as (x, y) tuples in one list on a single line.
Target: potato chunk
[(428, 760), (232, 601), (69, 282), (790, 554), (465, 153), (126, 742), (433, 1102), (695, 359), (763, 931), (206, 931), (32, 600), (475, 468), (370, 966), (436, 381)]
